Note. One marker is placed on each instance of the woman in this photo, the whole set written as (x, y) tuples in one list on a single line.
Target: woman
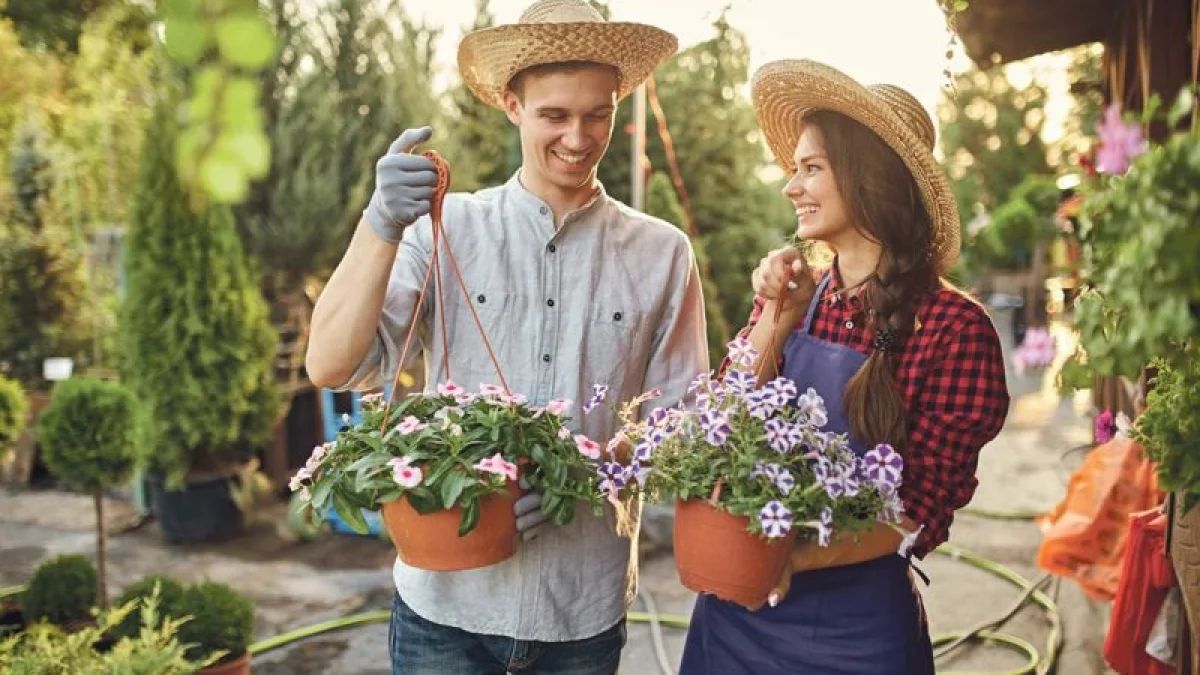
[(899, 356)]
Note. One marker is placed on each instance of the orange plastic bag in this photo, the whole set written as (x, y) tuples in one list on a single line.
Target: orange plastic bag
[(1084, 536)]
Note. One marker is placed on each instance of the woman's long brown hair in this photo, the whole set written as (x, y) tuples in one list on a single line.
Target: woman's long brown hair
[(884, 204)]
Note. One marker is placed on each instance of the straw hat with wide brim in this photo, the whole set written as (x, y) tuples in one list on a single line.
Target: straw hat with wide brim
[(784, 91), (555, 31)]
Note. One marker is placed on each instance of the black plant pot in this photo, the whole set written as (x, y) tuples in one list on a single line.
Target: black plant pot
[(202, 511), (12, 619)]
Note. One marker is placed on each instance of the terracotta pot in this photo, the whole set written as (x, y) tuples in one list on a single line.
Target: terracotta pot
[(715, 554), (239, 666), (431, 541)]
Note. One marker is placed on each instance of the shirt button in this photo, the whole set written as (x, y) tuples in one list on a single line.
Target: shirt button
[(546, 358), (617, 316), (849, 324), (552, 248), (543, 210), (481, 299), (550, 302)]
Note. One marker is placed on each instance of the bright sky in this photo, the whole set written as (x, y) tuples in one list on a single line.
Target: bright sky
[(902, 42)]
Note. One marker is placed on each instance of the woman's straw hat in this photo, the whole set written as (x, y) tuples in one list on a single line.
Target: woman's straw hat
[(784, 91), (555, 31)]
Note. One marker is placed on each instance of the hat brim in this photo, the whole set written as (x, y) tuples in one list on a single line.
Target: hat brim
[(784, 91), (488, 58)]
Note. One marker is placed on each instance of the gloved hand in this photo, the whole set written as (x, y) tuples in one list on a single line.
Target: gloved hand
[(532, 521), (404, 185)]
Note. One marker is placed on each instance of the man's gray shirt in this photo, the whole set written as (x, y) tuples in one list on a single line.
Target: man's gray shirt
[(611, 297)]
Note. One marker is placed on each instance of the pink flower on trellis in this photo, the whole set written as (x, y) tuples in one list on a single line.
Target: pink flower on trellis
[(1120, 142)]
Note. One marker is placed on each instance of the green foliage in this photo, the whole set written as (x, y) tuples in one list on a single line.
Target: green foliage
[(55, 24), (89, 434), (197, 344), (62, 590), (42, 288), (167, 593), (224, 45), (29, 171), (443, 440), (1018, 225), (151, 649), (1169, 429), (483, 137), (1145, 289), (13, 405), (221, 622), (362, 82)]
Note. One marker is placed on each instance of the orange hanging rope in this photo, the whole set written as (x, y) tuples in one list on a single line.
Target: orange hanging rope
[(434, 272)]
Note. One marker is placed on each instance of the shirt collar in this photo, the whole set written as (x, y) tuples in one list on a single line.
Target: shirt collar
[(526, 200)]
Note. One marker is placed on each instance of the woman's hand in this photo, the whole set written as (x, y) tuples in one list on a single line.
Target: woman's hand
[(783, 276)]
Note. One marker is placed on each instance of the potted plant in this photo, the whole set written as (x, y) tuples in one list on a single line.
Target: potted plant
[(443, 468), (220, 623), (750, 473), (197, 347), (62, 591), (89, 436), (168, 596), (13, 405)]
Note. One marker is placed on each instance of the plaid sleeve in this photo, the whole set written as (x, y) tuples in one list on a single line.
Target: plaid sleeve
[(960, 407)]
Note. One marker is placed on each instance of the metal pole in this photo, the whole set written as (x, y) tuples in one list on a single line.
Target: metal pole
[(637, 176)]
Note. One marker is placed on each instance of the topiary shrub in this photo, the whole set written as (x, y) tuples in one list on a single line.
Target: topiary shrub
[(222, 620), (62, 590), (197, 344), (13, 406), (170, 599), (89, 436)]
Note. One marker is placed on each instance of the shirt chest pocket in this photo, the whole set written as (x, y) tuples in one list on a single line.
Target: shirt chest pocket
[(614, 344), (467, 350)]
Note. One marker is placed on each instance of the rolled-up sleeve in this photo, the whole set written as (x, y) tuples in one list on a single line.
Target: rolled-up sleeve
[(961, 406)]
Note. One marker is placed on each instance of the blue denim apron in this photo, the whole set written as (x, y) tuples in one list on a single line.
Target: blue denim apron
[(863, 619)]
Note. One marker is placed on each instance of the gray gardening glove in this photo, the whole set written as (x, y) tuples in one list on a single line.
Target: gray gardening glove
[(532, 521), (404, 185)]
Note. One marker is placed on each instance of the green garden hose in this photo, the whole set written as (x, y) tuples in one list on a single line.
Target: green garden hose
[(1038, 663)]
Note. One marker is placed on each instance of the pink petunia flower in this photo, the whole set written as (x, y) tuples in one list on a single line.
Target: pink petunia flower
[(587, 447)]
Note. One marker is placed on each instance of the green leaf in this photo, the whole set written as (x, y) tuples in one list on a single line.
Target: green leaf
[(186, 39), (1182, 106), (239, 103), (246, 40), (350, 513), (452, 487), (470, 518), (320, 494)]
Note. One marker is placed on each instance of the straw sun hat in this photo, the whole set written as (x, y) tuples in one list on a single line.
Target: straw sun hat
[(783, 91), (554, 31)]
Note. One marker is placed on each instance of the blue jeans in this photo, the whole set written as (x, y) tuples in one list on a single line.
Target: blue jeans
[(421, 647)]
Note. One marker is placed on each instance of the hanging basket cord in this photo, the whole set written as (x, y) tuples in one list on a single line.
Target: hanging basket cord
[(433, 272)]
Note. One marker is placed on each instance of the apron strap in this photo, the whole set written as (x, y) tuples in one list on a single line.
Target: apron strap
[(816, 300)]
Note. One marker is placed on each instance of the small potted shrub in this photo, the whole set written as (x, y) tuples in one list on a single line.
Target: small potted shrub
[(220, 622), (750, 471), (13, 406), (168, 594), (89, 438), (153, 648), (444, 472), (62, 591)]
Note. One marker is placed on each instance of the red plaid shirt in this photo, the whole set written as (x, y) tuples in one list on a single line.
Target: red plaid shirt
[(951, 373)]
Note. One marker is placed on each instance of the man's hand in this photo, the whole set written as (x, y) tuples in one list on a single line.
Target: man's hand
[(404, 185), (780, 267), (532, 521)]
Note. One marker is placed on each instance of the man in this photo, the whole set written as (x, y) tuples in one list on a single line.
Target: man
[(573, 289)]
